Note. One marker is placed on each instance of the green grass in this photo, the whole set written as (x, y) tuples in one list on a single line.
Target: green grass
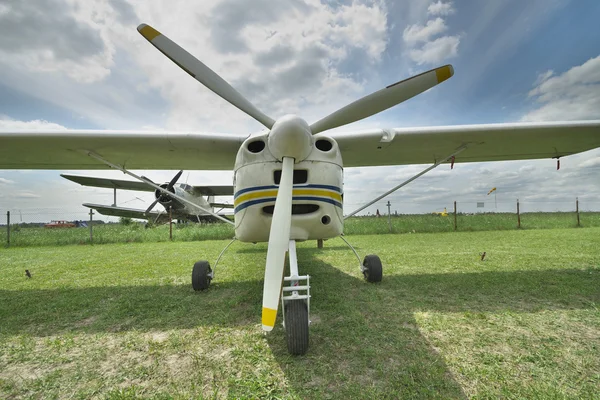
[(121, 321), (116, 233), (113, 233), (419, 223)]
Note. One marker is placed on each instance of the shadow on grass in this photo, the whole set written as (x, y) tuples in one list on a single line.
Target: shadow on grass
[(172, 306), (365, 341), (366, 337), (120, 308), (262, 248), (359, 349)]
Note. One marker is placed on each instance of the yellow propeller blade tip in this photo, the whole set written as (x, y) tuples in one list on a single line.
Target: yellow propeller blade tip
[(443, 73), (148, 32), (268, 318)]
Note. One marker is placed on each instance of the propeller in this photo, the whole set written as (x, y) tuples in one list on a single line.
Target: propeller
[(290, 141), (202, 73), (383, 99), (279, 237), (160, 195)]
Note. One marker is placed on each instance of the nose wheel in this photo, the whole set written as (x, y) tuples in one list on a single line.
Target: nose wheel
[(295, 302), (296, 326)]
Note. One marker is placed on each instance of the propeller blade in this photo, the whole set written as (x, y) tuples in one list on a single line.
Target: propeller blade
[(174, 180), (151, 206), (383, 99), (202, 73), (279, 238)]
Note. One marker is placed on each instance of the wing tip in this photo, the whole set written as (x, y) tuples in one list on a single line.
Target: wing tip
[(147, 31)]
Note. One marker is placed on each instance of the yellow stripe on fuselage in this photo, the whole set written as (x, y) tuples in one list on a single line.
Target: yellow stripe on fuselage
[(260, 194)]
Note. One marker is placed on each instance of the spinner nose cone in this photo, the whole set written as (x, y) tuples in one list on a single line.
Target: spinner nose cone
[(290, 137)]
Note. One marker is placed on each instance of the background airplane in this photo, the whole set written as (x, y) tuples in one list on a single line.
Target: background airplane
[(202, 196)]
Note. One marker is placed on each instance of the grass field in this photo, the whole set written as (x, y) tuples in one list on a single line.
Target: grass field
[(121, 321), (114, 233)]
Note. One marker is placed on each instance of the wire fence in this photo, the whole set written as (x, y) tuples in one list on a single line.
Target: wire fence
[(382, 217), (394, 206), (400, 206)]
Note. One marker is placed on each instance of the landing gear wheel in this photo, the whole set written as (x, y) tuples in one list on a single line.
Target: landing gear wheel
[(373, 271), (201, 275), (296, 327)]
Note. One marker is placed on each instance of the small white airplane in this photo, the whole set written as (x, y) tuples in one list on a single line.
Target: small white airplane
[(288, 179), (174, 209)]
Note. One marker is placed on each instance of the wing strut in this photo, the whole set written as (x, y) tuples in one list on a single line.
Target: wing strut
[(406, 182), (162, 190)]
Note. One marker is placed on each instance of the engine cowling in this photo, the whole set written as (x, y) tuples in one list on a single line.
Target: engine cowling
[(164, 199)]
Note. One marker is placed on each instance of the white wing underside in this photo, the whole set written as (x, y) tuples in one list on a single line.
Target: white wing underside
[(210, 151), (133, 150), (491, 142)]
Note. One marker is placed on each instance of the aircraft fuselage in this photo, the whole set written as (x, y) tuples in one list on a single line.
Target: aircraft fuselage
[(186, 191), (317, 205)]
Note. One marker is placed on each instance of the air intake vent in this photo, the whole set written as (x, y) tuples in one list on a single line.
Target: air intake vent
[(297, 209), (323, 145), (256, 147), (300, 176)]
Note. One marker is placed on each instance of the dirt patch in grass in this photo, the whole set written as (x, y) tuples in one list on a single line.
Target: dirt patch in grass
[(19, 372), (86, 322)]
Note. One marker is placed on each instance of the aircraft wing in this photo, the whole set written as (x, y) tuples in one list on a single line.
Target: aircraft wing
[(68, 149), (126, 212), (490, 142), (109, 183)]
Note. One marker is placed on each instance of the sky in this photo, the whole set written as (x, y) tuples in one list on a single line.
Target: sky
[(81, 64)]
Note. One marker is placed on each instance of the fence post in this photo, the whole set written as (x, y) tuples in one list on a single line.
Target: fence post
[(7, 228), (389, 215), (319, 243), (91, 227), (518, 215), (577, 210), (170, 223), (455, 226)]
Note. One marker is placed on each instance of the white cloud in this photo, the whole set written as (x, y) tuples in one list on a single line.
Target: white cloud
[(23, 195), (573, 95), (49, 35), (118, 67), (440, 8), (544, 76), (4, 181), (423, 33), (9, 124), (425, 46), (591, 162), (285, 61), (436, 51)]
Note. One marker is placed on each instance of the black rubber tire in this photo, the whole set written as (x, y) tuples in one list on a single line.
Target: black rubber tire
[(373, 269), (296, 327), (200, 278)]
